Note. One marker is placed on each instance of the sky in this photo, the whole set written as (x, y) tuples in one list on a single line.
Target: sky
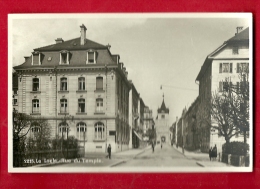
[(165, 50)]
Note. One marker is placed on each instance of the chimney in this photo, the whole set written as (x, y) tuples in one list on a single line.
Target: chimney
[(239, 29), (59, 40), (26, 58), (83, 30)]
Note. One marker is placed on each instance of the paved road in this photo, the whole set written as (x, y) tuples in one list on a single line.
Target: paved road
[(165, 157)]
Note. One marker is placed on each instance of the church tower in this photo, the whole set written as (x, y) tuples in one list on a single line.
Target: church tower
[(162, 124)]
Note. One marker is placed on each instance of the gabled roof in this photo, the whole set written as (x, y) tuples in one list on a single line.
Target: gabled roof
[(163, 108), (243, 36), (73, 44)]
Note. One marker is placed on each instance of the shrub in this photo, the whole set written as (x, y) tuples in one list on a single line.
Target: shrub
[(235, 160), (235, 148)]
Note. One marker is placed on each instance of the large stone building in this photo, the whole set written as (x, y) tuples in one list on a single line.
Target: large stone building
[(223, 63), (162, 124), (78, 78)]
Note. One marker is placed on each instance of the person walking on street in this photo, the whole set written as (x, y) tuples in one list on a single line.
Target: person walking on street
[(109, 151), (161, 145), (210, 153), (153, 147), (214, 152)]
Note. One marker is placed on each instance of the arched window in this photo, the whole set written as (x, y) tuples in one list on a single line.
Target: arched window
[(99, 105), (81, 131), (99, 83), (35, 106), (81, 82), (35, 130), (36, 84), (63, 130), (99, 131), (63, 106), (63, 84)]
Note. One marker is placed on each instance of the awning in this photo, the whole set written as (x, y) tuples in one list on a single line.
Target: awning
[(140, 138)]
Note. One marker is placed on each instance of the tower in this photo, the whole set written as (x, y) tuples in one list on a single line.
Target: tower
[(162, 124)]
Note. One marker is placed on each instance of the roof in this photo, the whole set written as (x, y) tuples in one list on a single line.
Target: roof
[(243, 36), (73, 44), (163, 108)]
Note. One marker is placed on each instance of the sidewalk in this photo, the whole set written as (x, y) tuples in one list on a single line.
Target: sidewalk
[(202, 159)]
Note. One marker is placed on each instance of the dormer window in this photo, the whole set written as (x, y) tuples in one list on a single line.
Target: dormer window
[(91, 57), (36, 58), (235, 50), (64, 57)]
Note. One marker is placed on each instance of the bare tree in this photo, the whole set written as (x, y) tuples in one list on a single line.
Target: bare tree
[(40, 139), (222, 113), (239, 102), (21, 127)]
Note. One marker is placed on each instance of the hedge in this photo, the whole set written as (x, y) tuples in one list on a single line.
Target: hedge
[(235, 148)]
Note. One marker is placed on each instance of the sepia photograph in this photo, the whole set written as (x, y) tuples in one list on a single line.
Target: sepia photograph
[(130, 92)]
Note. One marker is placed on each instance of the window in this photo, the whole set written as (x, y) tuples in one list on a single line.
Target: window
[(63, 130), (99, 105), (63, 85), (91, 57), (35, 130), (99, 131), (36, 84), (81, 83), (81, 131), (242, 67), (225, 68), (36, 58), (35, 106), (81, 103), (15, 102), (235, 50), (64, 57), (63, 106), (99, 83)]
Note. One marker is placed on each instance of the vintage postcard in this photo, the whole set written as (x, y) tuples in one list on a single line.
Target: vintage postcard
[(130, 93)]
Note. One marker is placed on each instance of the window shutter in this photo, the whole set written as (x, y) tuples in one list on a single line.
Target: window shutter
[(220, 86), (237, 67), (231, 66), (220, 67)]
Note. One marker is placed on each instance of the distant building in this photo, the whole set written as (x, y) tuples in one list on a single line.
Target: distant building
[(162, 124), (134, 117), (224, 62), (15, 91), (191, 132)]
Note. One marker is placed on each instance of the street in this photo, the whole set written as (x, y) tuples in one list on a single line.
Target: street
[(165, 157)]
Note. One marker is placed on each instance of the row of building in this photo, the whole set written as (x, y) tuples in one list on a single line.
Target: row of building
[(80, 78), (224, 62)]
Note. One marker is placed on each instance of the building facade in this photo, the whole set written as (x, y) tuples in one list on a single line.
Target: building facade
[(162, 124), (221, 66), (82, 80)]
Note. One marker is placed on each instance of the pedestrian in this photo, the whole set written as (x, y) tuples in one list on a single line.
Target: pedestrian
[(161, 145), (210, 153), (109, 151), (214, 152), (153, 147)]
